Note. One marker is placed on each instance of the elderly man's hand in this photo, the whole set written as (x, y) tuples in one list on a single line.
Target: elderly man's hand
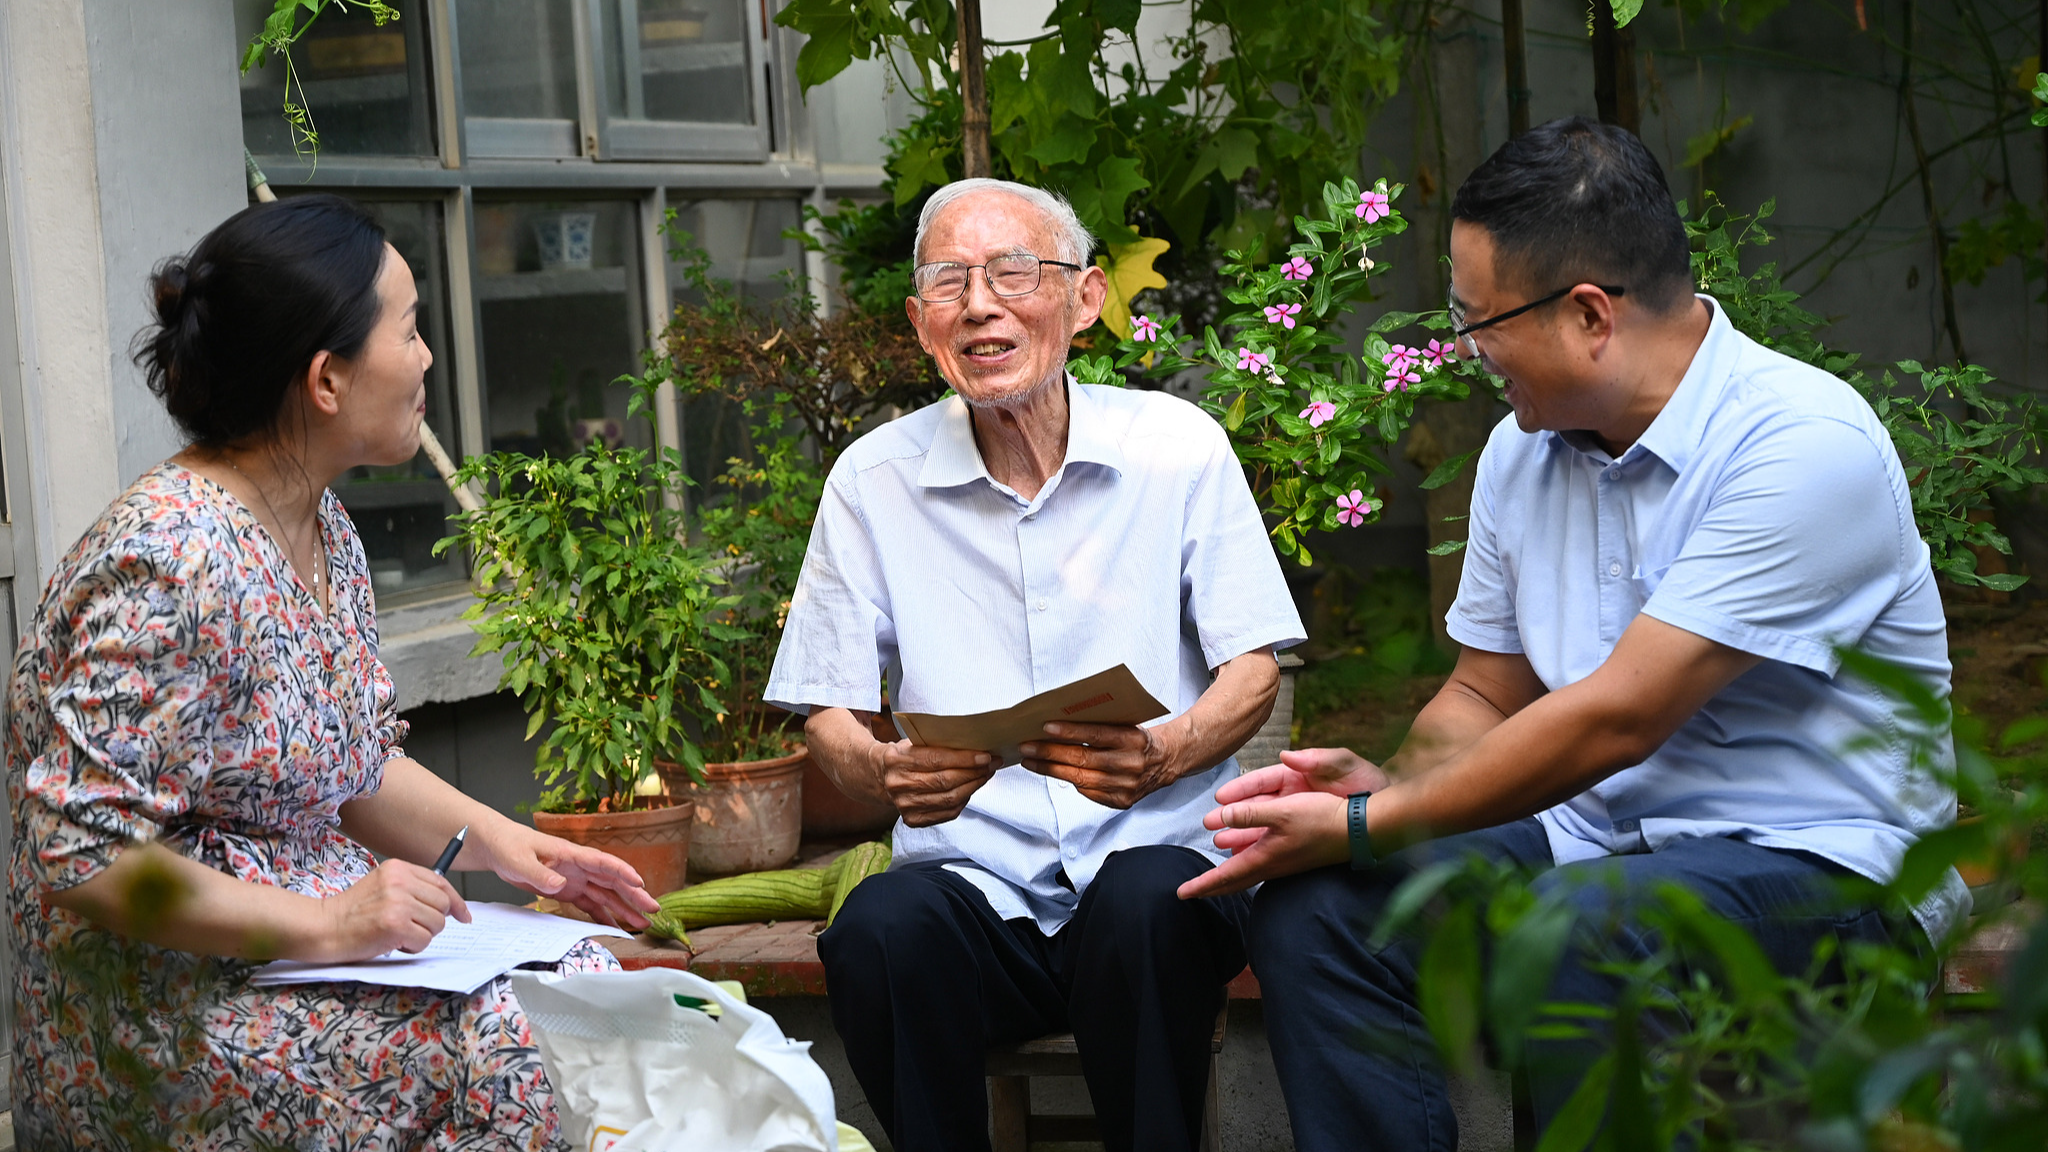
[(931, 785), (1112, 764)]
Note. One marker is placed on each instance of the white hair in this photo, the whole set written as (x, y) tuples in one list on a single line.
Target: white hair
[(1070, 236)]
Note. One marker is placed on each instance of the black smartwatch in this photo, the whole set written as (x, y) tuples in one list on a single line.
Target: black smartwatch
[(1361, 844)]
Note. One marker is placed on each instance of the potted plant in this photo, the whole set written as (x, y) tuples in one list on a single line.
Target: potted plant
[(608, 621), (804, 386)]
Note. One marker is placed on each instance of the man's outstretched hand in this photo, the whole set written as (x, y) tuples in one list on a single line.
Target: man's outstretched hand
[(1284, 819)]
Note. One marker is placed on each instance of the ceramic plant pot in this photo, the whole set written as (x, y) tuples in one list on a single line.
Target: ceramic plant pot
[(654, 841), (749, 814)]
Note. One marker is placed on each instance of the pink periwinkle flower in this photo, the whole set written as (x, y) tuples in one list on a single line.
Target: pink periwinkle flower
[(1297, 269), (1401, 374), (1318, 413), (1282, 314), (1400, 359), (1144, 328), (1372, 207), (1437, 352), (1250, 361), (1352, 509)]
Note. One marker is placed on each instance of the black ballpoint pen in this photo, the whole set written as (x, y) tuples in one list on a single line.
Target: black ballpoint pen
[(449, 853)]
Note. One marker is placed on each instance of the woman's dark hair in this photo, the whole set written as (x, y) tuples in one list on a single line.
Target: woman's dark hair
[(1575, 201), (240, 317)]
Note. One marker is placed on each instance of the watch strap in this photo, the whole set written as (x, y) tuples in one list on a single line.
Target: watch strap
[(1361, 844)]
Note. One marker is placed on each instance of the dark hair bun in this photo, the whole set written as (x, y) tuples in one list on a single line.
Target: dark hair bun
[(240, 317)]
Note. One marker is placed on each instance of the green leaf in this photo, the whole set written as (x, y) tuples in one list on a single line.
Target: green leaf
[(1625, 11), (1236, 150), (1234, 418), (1069, 142), (1447, 987), (831, 34), (1446, 548), (1579, 1120), (1392, 320), (1447, 471), (1121, 15)]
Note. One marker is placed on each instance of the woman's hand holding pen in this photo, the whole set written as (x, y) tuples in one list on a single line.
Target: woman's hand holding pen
[(399, 905)]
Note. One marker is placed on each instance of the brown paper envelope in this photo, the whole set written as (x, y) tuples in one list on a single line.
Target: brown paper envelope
[(1113, 696)]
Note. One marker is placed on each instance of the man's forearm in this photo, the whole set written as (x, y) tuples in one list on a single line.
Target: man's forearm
[(1228, 712), (1451, 722), (843, 746), (1558, 744)]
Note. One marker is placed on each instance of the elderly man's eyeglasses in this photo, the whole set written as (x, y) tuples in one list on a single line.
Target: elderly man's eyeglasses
[(1012, 275), (1468, 348)]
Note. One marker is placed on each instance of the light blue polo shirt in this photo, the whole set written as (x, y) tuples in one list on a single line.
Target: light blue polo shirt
[(1764, 508)]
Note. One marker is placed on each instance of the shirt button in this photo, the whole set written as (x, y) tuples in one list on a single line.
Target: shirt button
[(1614, 474), (1041, 604), (1614, 569), (1031, 515)]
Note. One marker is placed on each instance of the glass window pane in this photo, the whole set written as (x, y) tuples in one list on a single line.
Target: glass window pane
[(402, 510), (518, 58), (364, 88), (563, 317), (749, 254), (679, 60)]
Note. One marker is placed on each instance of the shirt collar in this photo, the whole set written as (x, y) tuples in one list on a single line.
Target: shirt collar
[(1674, 435), (955, 459)]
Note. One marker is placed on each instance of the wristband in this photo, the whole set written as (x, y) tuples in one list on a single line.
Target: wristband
[(1361, 845)]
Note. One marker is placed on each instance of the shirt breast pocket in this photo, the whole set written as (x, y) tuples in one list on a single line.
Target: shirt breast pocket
[(1646, 579)]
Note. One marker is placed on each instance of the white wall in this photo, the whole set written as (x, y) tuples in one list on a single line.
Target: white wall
[(167, 128), (116, 151)]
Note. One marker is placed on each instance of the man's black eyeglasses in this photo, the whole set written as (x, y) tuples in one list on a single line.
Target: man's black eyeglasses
[(1015, 274), (1463, 331)]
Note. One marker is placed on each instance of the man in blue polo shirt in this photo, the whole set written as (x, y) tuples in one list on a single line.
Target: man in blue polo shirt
[(1669, 543)]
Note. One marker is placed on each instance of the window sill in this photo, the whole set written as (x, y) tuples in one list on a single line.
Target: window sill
[(426, 648)]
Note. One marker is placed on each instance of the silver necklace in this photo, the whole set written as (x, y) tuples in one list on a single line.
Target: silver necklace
[(319, 546)]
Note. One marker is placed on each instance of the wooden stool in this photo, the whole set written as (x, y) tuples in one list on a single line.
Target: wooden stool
[(1010, 1069)]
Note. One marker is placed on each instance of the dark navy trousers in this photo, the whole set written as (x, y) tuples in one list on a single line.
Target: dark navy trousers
[(923, 977), (1356, 1062)]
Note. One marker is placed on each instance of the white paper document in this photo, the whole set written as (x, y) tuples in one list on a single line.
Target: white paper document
[(463, 958)]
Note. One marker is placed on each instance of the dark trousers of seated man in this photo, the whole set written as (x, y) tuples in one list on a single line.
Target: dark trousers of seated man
[(1355, 1058), (924, 977)]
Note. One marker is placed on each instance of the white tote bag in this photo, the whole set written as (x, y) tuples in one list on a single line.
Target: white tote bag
[(635, 1069)]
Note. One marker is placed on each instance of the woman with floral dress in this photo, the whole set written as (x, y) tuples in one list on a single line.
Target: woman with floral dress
[(204, 752)]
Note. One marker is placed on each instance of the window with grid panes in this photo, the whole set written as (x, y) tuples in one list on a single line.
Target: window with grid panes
[(559, 291), (365, 88), (748, 252), (400, 511)]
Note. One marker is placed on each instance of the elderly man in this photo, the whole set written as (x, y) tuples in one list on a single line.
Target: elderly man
[(1670, 540), (1002, 542)]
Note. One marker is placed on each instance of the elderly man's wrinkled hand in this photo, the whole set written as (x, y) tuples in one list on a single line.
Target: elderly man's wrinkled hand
[(932, 785), (1115, 765)]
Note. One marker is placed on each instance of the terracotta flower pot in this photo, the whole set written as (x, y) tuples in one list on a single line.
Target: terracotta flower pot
[(749, 814), (655, 841), (831, 813)]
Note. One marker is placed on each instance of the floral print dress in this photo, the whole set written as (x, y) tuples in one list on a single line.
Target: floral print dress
[(180, 685)]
